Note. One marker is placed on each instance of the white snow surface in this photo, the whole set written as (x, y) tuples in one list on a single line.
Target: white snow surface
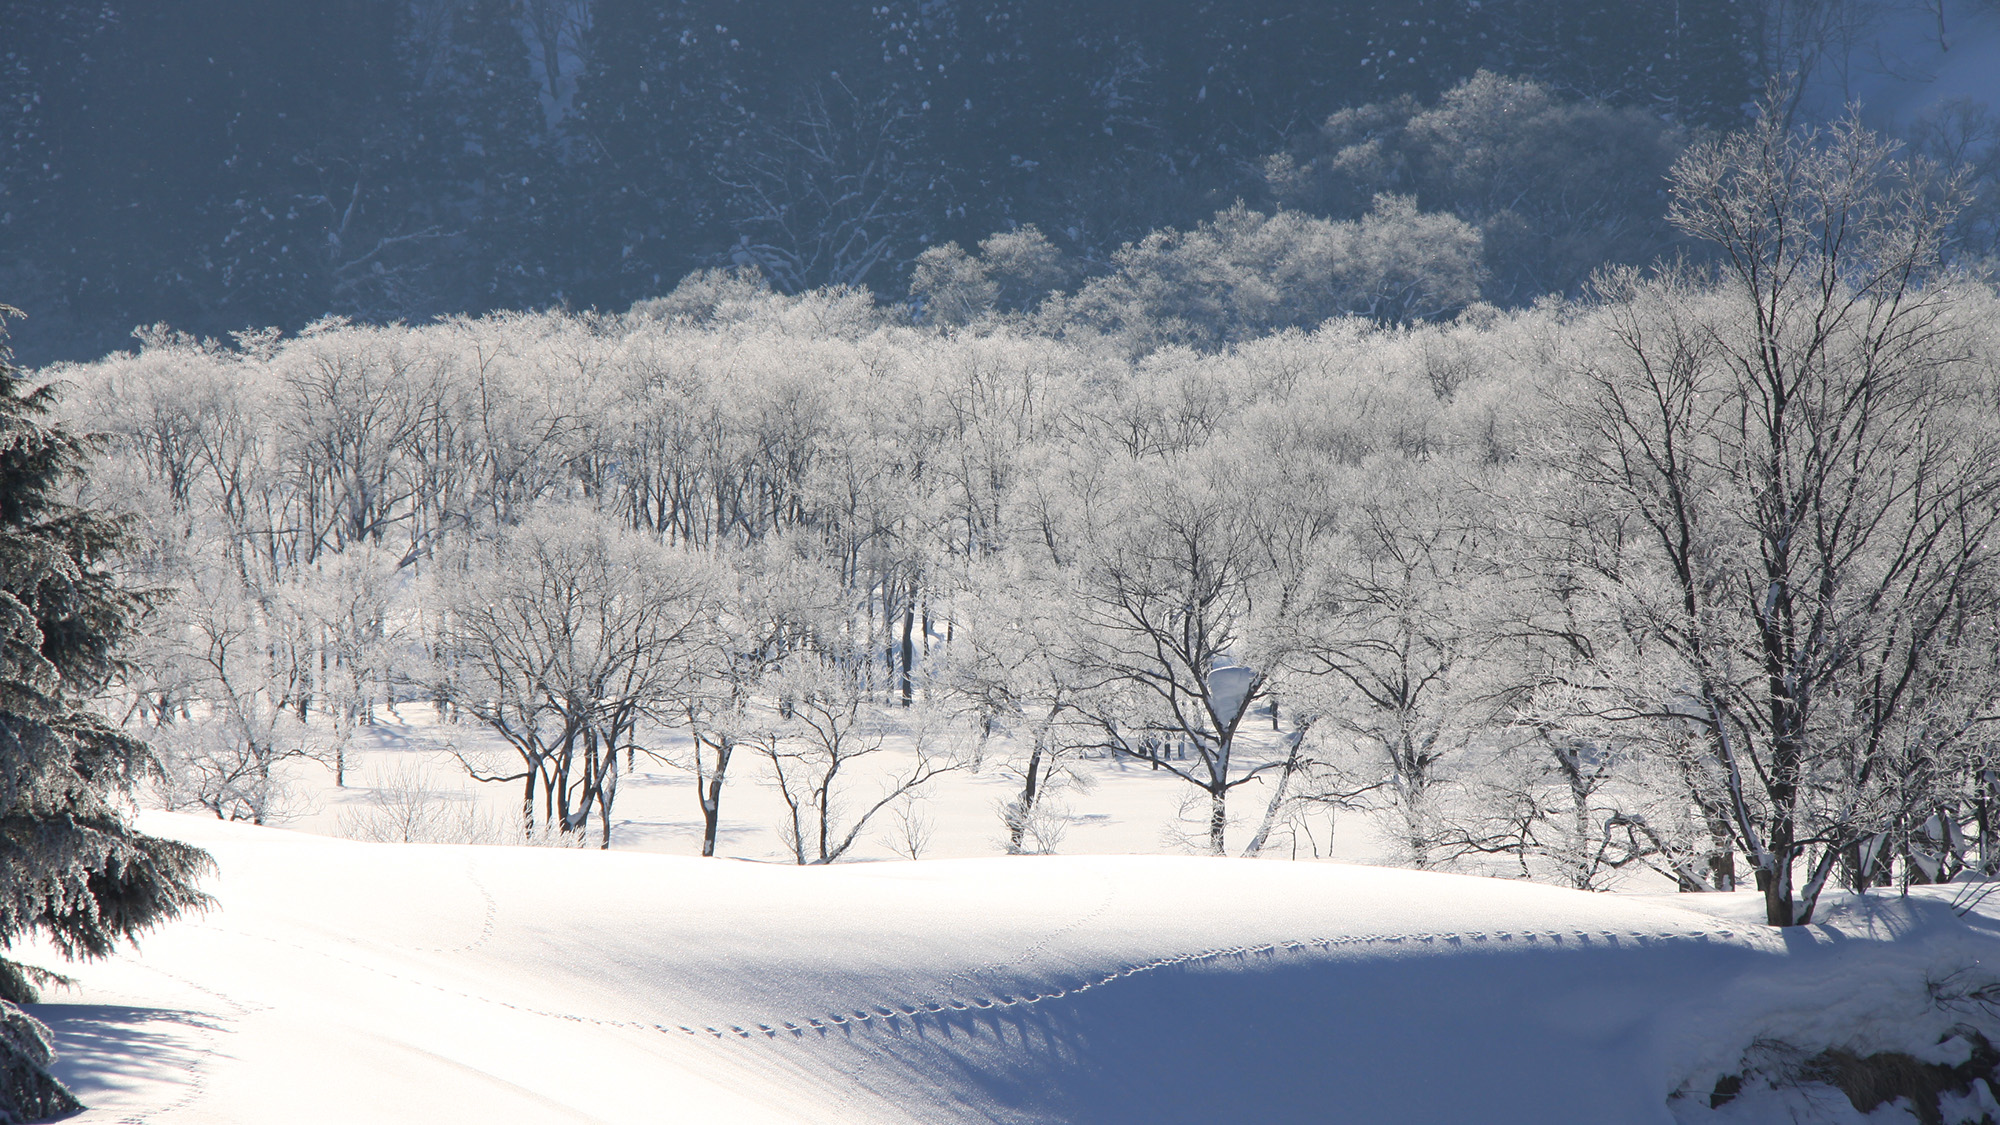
[(339, 981)]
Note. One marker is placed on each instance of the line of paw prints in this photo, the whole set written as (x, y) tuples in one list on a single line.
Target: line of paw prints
[(883, 1014)]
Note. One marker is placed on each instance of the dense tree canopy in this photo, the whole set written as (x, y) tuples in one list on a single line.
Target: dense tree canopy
[(1689, 573), (1568, 484)]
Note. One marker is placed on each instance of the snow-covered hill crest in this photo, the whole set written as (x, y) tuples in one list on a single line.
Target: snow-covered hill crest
[(340, 981)]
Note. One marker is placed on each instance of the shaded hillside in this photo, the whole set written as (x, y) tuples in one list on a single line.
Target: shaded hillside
[(224, 164)]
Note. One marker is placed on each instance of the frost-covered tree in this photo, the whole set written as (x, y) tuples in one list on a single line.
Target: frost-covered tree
[(824, 729), (1801, 457), (1169, 575), (241, 655), (1409, 666), (75, 871), (1014, 271), (1014, 661), (567, 638), (1557, 187), (772, 604), (1245, 274)]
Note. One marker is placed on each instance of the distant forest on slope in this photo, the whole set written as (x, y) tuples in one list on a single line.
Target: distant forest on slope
[(220, 164)]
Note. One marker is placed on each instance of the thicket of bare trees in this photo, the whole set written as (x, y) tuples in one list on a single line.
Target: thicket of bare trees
[(1693, 575), (564, 641)]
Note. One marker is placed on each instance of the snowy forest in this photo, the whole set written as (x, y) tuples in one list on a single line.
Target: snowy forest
[(1580, 464), (1692, 572), (514, 514)]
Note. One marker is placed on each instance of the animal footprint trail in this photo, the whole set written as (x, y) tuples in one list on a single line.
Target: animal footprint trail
[(881, 1014)]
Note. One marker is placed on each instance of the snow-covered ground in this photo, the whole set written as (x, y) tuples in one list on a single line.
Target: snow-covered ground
[(339, 981)]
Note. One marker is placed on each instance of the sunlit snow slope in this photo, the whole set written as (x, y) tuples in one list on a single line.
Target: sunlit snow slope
[(348, 982)]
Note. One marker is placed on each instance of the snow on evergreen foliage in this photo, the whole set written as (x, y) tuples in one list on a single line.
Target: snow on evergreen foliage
[(71, 870), (27, 1092)]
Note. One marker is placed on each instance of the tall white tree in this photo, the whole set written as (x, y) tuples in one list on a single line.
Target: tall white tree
[(1803, 464), (1170, 573), (1014, 660)]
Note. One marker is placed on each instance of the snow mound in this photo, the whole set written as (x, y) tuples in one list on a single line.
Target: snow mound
[(346, 982)]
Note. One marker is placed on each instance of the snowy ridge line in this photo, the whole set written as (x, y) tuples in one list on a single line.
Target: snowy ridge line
[(883, 1014), (1035, 949)]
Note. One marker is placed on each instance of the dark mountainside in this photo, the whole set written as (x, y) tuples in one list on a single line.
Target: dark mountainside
[(222, 164)]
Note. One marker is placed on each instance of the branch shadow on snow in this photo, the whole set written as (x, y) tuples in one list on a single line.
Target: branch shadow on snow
[(106, 1053)]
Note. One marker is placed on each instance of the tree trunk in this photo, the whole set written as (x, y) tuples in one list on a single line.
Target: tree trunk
[(711, 797), (909, 646), (1722, 851), (823, 807), (528, 802), (1017, 818), (607, 792), (1776, 878), (888, 637), (1989, 824), (1277, 799)]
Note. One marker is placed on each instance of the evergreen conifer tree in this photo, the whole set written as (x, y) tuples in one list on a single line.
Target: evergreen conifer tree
[(71, 869)]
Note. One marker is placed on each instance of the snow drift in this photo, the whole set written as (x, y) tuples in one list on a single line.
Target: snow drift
[(343, 982)]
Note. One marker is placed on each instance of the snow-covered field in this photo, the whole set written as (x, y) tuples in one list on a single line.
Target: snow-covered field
[(340, 981)]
